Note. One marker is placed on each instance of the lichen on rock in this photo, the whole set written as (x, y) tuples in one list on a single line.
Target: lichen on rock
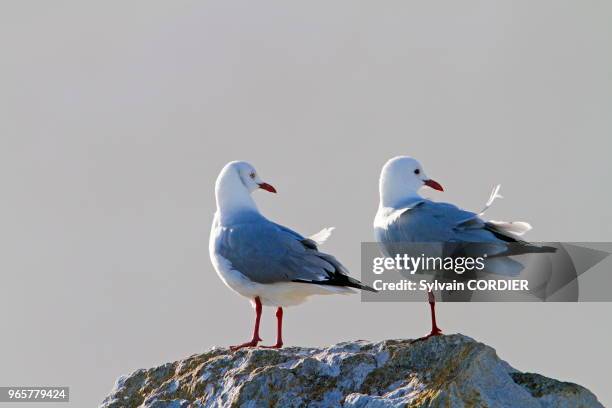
[(443, 371)]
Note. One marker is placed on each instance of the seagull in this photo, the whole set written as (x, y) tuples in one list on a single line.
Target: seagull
[(268, 263), (404, 216)]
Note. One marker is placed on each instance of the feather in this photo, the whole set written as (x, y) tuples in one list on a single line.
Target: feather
[(514, 227), (494, 195), (320, 237)]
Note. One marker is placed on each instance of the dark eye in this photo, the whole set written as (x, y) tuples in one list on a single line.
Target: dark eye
[(252, 175), (417, 171)]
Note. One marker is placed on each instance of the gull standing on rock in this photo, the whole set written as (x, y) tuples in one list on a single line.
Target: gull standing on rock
[(264, 261), (404, 216)]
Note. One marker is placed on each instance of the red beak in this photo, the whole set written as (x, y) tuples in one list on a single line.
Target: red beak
[(267, 187), (433, 184)]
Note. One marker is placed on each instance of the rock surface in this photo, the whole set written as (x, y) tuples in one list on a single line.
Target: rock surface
[(444, 371)]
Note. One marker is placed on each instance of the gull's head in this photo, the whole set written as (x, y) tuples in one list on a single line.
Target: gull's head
[(402, 177), (234, 186), (239, 175)]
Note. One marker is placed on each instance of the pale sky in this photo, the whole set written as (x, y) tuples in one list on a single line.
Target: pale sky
[(115, 118)]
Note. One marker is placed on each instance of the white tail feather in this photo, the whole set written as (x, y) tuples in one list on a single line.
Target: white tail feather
[(516, 227), (494, 195), (322, 236)]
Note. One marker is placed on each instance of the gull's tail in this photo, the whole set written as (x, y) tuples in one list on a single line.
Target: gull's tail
[(513, 227), (320, 237), (494, 195)]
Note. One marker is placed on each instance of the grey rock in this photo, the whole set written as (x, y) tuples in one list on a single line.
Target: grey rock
[(443, 371)]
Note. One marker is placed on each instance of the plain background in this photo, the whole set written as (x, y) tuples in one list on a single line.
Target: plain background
[(116, 117)]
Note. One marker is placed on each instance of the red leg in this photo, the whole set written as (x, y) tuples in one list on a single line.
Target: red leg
[(435, 330), (256, 339), (279, 329)]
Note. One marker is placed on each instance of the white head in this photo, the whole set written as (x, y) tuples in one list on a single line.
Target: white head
[(401, 178), (235, 183)]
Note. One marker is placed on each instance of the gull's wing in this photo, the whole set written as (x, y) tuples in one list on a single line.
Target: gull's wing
[(459, 232), (266, 252), (429, 221)]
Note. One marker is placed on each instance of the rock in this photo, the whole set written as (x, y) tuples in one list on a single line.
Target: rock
[(443, 371)]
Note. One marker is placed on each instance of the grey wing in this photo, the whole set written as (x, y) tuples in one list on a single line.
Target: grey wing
[(267, 253), (438, 222), (444, 224), (481, 236), (459, 233)]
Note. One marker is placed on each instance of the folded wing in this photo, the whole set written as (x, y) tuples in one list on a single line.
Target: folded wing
[(266, 252)]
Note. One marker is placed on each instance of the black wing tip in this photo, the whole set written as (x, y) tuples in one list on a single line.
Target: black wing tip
[(354, 283), (335, 277), (368, 288), (349, 283)]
